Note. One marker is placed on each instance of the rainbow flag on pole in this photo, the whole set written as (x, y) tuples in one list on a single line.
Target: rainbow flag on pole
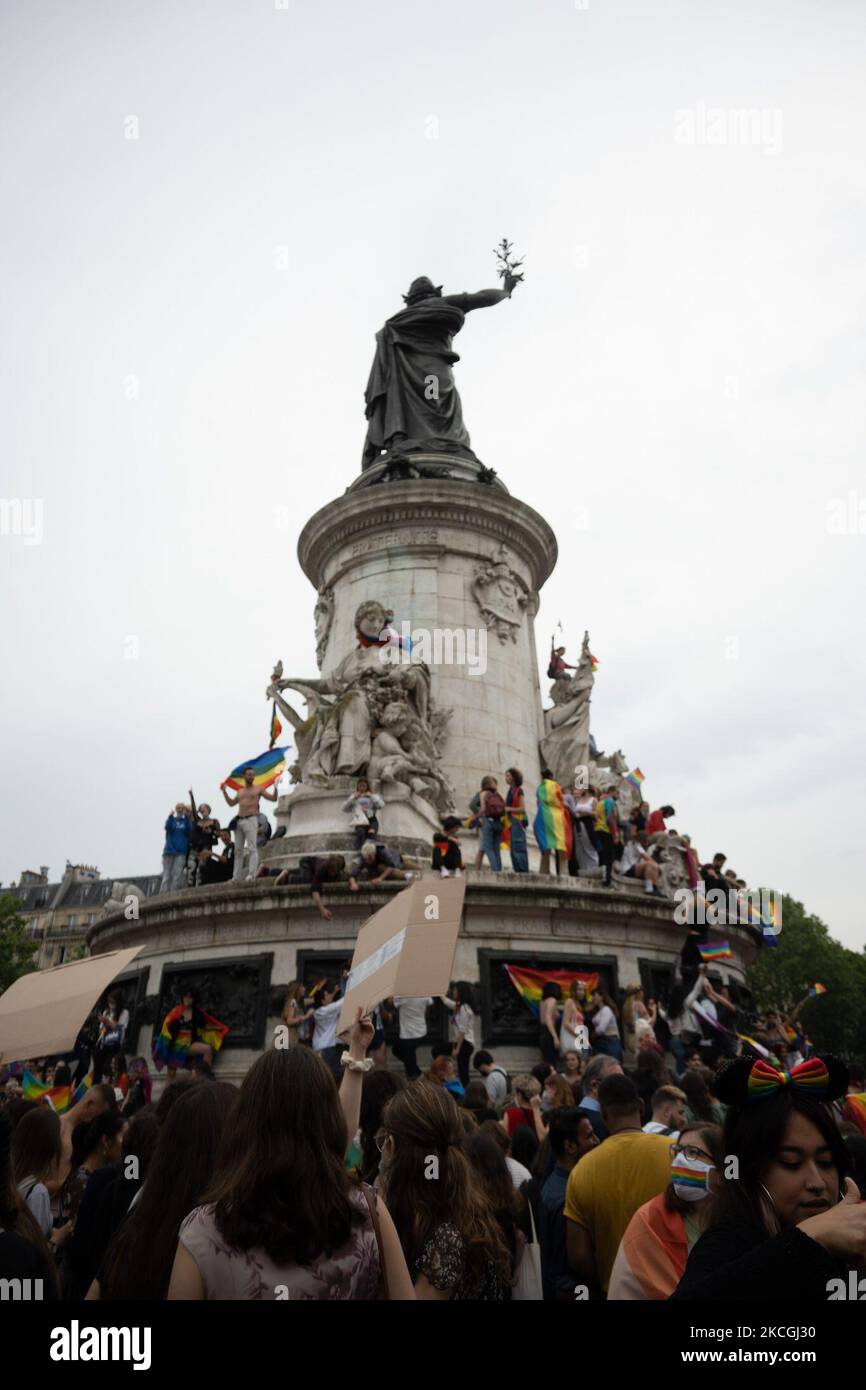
[(715, 950), (529, 983), (81, 1090), (267, 767), (635, 778), (817, 989), (552, 824), (276, 726)]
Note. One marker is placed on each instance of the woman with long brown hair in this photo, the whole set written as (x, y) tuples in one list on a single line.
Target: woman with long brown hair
[(283, 1218), (452, 1241), (138, 1262), (24, 1250)]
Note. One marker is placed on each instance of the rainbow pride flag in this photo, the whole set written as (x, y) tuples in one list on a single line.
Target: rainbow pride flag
[(171, 1047), (58, 1097), (267, 767), (817, 989), (635, 778), (81, 1090), (529, 983), (715, 950), (854, 1110), (552, 825), (276, 727)]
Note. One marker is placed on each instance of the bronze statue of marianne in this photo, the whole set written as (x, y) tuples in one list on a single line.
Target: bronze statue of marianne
[(412, 402)]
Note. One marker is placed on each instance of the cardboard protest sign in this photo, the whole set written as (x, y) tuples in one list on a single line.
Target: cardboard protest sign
[(407, 947), (41, 1013)]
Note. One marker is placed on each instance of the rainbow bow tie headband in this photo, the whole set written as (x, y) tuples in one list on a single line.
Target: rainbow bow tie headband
[(811, 1077)]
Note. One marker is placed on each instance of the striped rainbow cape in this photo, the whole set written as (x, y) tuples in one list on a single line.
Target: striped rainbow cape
[(552, 824), (171, 1047)]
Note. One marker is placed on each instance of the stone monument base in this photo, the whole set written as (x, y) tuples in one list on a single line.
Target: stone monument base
[(316, 823)]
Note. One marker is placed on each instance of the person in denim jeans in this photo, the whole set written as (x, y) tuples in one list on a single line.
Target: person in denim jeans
[(516, 803), (491, 825)]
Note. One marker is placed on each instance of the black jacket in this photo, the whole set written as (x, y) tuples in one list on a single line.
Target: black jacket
[(739, 1261)]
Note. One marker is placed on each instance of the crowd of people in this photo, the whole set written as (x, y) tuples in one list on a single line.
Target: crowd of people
[(580, 832), (619, 1167)]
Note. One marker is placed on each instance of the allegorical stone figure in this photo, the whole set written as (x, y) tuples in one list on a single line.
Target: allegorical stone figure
[(412, 402)]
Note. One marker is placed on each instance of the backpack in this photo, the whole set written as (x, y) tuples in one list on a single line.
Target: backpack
[(494, 806), (502, 1072)]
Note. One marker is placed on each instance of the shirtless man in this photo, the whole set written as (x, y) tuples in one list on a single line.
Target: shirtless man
[(246, 830)]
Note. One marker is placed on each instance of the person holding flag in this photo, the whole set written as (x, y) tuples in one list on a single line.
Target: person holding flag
[(247, 824)]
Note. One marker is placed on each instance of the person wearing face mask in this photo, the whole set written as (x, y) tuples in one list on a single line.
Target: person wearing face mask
[(790, 1221), (653, 1252)]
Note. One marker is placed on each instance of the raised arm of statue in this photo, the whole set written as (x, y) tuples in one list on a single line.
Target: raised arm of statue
[(481, 299), (285, 708)]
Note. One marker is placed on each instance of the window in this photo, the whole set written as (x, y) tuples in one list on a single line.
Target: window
[(70, 921)]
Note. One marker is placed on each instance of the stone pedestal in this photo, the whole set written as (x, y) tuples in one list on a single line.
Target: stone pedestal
[(316, 823), (462, 564)]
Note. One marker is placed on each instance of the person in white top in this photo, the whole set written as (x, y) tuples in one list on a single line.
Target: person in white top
[(605, 1029), (583, 806), (669, 1115), (463, 1028), (326, 1013), (412, 1014), (637, 862)]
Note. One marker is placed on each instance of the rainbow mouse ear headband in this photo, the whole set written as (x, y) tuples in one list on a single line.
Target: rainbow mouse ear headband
[(811, 1077), (747, 1079)]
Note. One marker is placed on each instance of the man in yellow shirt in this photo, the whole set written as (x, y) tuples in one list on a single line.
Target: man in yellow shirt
[(608, 1185)]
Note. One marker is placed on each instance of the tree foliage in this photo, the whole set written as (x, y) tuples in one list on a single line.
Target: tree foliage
[(17, 953), (807, 954)]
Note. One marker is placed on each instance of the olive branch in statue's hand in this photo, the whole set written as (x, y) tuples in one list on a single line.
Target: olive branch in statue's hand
[(508, 269)]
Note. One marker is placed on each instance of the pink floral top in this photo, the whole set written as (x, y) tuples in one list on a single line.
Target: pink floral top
[(352, 1272)]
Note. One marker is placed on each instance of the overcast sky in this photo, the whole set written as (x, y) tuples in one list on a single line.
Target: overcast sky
[(187, 328)]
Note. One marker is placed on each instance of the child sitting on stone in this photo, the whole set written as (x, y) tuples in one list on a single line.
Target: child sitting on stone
[(447, 854)]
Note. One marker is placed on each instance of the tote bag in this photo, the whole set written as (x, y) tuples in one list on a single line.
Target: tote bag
[(527, 1284)]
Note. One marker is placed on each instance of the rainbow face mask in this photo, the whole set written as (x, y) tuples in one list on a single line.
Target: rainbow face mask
[(691, 1178)]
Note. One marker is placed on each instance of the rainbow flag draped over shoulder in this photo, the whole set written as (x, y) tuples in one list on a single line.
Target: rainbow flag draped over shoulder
[(854, 1110), (171, 1047), (715, 950), (267, 767), (552, 824), (529, 983)]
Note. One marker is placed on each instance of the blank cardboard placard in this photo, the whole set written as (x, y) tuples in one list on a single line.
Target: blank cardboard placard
[(407, 947), (41, 1013)]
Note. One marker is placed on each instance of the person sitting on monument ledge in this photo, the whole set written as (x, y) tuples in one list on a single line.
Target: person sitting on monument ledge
[(216, 868), (559, 667), (375, 865), (362, 805), (447, 854)]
